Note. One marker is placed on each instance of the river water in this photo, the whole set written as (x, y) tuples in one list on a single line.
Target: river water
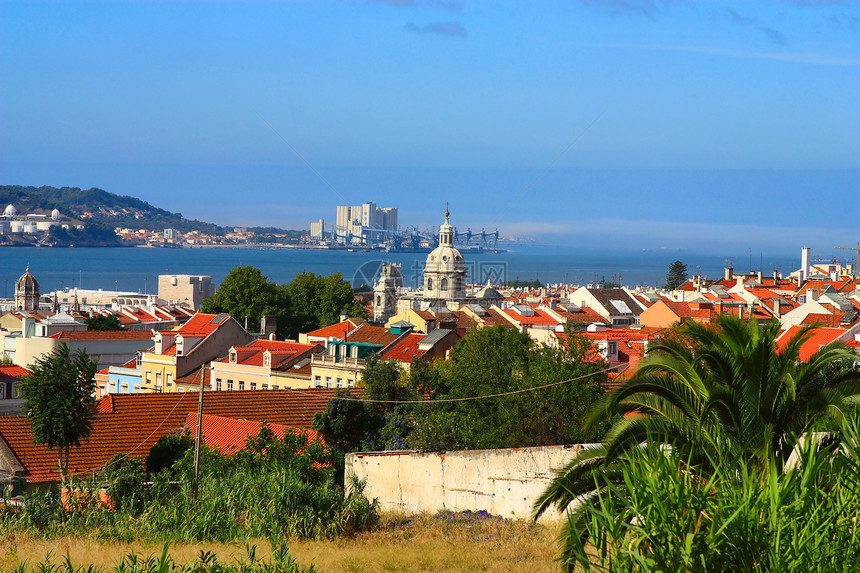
[(137, 269)]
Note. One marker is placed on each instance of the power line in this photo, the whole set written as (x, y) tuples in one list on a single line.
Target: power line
[(487, 396)]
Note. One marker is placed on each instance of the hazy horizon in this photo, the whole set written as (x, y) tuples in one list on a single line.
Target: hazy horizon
[(718, 126)]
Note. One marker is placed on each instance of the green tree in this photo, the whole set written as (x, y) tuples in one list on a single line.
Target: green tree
[(318, 301), (676, 276), (59, 396), (307, 303), (717, 390), (167, 451), (245, 292), (497, 360), (103, 322)]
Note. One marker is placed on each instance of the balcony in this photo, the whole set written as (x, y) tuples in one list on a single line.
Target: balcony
[(329, 360)]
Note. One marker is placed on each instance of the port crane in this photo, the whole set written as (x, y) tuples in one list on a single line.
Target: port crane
[(857, 251)]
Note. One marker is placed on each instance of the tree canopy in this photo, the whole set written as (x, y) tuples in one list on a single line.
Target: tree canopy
[(245, 292), (103, 322), (59, 396), (676, 276), (486, 362), (308, 302)]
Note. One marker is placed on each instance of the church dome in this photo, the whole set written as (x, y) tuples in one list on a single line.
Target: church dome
[(10, 211), (27, 292), (445, 269), (27, 284)]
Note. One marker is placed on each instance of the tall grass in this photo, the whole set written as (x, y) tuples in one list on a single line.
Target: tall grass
[(663, 516), (206, 562), (275, 489)]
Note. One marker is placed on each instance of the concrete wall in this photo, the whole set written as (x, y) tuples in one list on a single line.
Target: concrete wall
[(503, 482)]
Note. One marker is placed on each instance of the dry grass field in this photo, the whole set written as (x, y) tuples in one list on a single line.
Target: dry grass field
[(446, 542)]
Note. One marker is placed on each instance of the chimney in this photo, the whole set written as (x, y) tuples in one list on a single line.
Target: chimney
[(811, 295), (775, 277), (729, 272), (776, 308), (740, 281), (268, 326), (804, 262), (759, 276)]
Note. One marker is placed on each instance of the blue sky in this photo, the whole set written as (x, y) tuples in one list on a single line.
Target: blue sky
[(722, 125)]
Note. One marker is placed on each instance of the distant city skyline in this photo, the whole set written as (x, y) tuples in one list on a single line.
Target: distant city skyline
[(718, 126)]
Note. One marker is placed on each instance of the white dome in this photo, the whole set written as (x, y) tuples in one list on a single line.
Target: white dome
[(445, 269), (10, 211), (55, 214), (444, 259)]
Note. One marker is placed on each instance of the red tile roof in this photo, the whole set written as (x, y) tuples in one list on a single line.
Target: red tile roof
[(102, 335), (281, 351), (132, 423), (13, 371), (820, 337), (407, 349), (229, 435), (338, 330)]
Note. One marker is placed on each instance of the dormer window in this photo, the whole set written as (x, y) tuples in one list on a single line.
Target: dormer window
[(232, 357), (267, 359), (138, 360)]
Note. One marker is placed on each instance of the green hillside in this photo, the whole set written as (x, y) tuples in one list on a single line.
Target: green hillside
[(101, 207)]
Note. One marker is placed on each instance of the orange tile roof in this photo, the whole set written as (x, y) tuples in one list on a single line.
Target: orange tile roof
[(132, 423), (372, 335), (280, 350), (338, 330), (820, 337), (13, 371), (407, 349), (103, 335), (229, 435), (540, 317)]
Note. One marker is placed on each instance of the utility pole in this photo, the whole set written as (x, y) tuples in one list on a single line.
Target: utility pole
[(196, 483)]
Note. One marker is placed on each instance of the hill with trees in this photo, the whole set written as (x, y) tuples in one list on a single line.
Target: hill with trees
[(111, 210)]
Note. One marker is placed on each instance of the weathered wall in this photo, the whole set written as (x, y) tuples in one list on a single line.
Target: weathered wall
[(503, 482)]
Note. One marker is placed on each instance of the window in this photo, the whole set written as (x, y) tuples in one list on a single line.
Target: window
[(218, 384), (267, 360), (328, 381), (241, 384), (148, 377), (229, 384), (265, 386), (340, 382), (158, 381), (317, 381), (232, 358), (275, 387), (350, 382), (443, 285), (429, 283), (169, 379), (253, 385), (124, 387), (138, 360)]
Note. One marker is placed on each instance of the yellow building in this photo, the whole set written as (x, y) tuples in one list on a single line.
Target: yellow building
[(264, 365), (177, 353)]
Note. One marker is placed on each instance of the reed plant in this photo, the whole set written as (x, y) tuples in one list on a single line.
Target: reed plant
[(275, 488), (663, 515)]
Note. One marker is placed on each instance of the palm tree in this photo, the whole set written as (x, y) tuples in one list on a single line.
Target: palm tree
[(715, 390)]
